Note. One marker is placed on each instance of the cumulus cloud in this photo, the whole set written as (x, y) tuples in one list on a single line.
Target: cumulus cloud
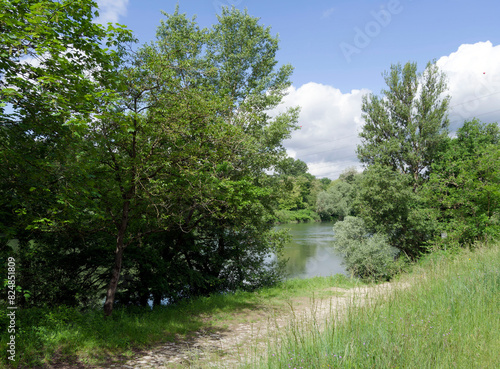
[(330, 123), (331, 120), (474, 83), (111, 10)]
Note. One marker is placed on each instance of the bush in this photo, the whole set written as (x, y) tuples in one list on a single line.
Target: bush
[(366, 256)]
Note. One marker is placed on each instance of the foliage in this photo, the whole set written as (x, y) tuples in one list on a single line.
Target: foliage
[(51, 59), (349, 175), (56, 69), (296, 216), (169, 170), (53, 72), (298, 191), (365, 255), (336, 201), (325, 182), (292, 167), (63, 269), (405, 127), (386, 202), (465, 185), (295, 192)]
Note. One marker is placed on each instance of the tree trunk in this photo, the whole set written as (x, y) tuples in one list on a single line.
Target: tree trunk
[(115, 275), (113, 283)]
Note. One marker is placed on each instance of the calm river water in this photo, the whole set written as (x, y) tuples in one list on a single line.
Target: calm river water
[(310, 253)]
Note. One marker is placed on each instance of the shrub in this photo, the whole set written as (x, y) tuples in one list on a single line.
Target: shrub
[(366, 256)]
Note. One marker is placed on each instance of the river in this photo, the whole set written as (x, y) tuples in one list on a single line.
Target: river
[(310, 252)]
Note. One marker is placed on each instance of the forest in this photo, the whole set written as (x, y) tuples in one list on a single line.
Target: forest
[(140, 175)]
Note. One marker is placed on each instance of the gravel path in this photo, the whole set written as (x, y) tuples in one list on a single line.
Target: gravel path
[(227, 348)]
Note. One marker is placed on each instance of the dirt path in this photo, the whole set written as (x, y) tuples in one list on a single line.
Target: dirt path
[(227, 347)]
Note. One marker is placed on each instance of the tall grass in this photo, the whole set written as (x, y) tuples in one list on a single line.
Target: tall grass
[(448, 317)]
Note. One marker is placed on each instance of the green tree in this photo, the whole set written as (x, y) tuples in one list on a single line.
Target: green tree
[(325, 182), (465, 185), (292, 167), (349, 175), (168, 164), (188, 152), (406, 126), (56, 66), (336, 201), (385, 200)]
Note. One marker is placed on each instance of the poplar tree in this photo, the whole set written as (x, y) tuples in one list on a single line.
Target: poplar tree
[(406, 125)]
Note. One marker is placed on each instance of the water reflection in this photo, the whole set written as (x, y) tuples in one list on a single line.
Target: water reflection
[(310, 253)]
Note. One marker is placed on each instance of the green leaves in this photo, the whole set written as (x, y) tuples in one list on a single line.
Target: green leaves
[(162, 151), (336, 201), (465, 184), (404, 134), (51, 54), (406, 127), (366, 255)]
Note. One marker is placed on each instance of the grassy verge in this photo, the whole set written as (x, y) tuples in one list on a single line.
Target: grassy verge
[(70, 336), (448, 318)]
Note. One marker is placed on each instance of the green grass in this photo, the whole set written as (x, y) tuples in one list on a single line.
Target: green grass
[(448, 318), (68, 335)]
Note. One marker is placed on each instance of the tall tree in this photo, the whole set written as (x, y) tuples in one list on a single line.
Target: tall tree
[(158, 154), (184, 157), (56, 67), (465, 184), (405, 126), (54, 62), (385, 200)]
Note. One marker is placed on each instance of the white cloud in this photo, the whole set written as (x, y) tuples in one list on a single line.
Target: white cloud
[(330, 123), (331, 119), (111, 10), (474, 83)]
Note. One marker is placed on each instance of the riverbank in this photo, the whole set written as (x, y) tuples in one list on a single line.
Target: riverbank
[(445, 316), (67, 338)]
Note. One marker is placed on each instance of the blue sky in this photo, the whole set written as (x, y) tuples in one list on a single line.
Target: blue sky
[(339, 50)]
